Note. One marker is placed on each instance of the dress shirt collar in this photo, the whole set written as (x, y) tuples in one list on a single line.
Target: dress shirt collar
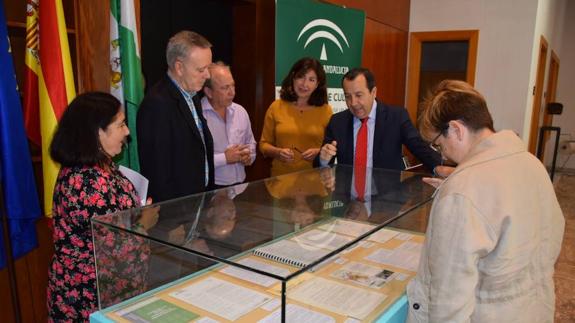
[(371, 115), (186, 94), (207, 106)]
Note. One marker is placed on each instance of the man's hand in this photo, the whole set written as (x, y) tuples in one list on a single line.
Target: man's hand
[(233, 154), (327, 177), (328, 151), (246, 157)]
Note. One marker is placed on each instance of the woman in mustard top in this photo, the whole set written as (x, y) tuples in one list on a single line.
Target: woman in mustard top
[(294, 124)]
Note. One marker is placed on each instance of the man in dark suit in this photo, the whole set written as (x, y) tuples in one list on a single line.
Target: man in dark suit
[(387, 128), (174, 141)]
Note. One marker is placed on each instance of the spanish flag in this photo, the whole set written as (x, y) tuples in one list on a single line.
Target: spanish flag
[(53, 69)]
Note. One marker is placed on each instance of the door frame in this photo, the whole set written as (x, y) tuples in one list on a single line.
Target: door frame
[(538, 93), (550, 95), (416, 39)]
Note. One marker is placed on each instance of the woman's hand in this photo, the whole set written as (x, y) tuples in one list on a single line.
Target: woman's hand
[(310, 154), (433, 181), (285, 154), (442, 172)]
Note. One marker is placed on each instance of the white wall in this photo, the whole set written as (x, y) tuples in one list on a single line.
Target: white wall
[(566, 85), (507, 57), (505, 49)]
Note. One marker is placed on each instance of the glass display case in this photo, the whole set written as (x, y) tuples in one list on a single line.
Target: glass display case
[(302, 247)]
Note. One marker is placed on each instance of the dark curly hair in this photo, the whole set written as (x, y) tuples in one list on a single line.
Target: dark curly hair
[(319, 96), (76, 141)]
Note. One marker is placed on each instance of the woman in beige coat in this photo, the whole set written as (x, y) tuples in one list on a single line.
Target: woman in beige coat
[(495, 228)]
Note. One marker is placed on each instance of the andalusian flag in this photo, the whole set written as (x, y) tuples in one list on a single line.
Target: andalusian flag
[(127, 80), (48, 56)]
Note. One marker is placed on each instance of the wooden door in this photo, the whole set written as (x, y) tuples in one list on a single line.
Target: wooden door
[(552, 78), (417, 41), (538, 93)]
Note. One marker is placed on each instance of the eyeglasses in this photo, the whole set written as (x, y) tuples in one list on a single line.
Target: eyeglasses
[(433, 145)]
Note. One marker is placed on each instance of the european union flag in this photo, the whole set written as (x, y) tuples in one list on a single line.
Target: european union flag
[(16, 175)]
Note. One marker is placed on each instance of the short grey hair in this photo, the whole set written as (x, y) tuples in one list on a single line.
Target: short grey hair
[(180, 44), (221, 64)]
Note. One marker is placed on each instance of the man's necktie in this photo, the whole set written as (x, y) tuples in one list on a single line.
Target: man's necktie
[(360, 162)]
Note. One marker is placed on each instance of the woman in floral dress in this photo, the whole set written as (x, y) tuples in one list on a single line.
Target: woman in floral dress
[(91, 131)]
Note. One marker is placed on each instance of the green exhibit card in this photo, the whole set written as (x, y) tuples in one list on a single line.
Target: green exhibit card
[(157, 310)]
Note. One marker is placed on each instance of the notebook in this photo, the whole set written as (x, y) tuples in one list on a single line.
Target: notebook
[(291, 253)]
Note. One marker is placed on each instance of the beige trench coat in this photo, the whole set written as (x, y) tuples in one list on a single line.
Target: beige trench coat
[(494, 234)]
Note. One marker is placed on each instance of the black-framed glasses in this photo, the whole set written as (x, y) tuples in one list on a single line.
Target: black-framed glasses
[(433, 145)]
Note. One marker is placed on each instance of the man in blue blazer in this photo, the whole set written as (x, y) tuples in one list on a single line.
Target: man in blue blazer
[(388, 128), (174, 142)]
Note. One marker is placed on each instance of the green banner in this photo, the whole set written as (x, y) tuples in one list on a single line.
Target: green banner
[(330, 33)]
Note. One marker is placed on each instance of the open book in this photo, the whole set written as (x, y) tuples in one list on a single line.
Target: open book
[(291, 253)]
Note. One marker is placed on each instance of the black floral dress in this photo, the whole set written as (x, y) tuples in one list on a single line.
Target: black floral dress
[(81, 193)]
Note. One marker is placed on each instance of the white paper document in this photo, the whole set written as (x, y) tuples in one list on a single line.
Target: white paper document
[(272, 305), (221, 298), (336, 297), (206, 320), (322, 239), (347, 227), (297, 314), (405, 256), (138, 180), (383, 235), (404, 236), (256, 278)]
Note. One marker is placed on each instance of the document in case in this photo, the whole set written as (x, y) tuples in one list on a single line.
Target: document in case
[(405, 256), (347, 227), (138, 180), (291, 253), (383, 235), (364, 275), (297, 314), (255, 277), (337, 297), (219, 297), (322, 239), (156, 310)]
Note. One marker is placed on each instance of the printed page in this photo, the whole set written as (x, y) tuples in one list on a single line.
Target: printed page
[(383, 235), (138, 180), (221, 298), (337, 297), (297, 314), (405, 256), (255, 277), (347, 227)]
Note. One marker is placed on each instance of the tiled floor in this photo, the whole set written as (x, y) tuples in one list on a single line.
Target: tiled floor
[(565, 267)]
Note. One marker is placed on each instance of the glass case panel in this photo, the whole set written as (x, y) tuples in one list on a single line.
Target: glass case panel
[(282, 244)]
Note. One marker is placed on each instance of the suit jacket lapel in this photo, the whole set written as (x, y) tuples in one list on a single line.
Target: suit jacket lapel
[(380, 128), (349, 144)]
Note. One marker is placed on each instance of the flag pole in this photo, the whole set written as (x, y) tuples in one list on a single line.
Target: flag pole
[(10, 260)]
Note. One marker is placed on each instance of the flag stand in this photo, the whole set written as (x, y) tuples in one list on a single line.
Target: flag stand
[(10, 260)]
